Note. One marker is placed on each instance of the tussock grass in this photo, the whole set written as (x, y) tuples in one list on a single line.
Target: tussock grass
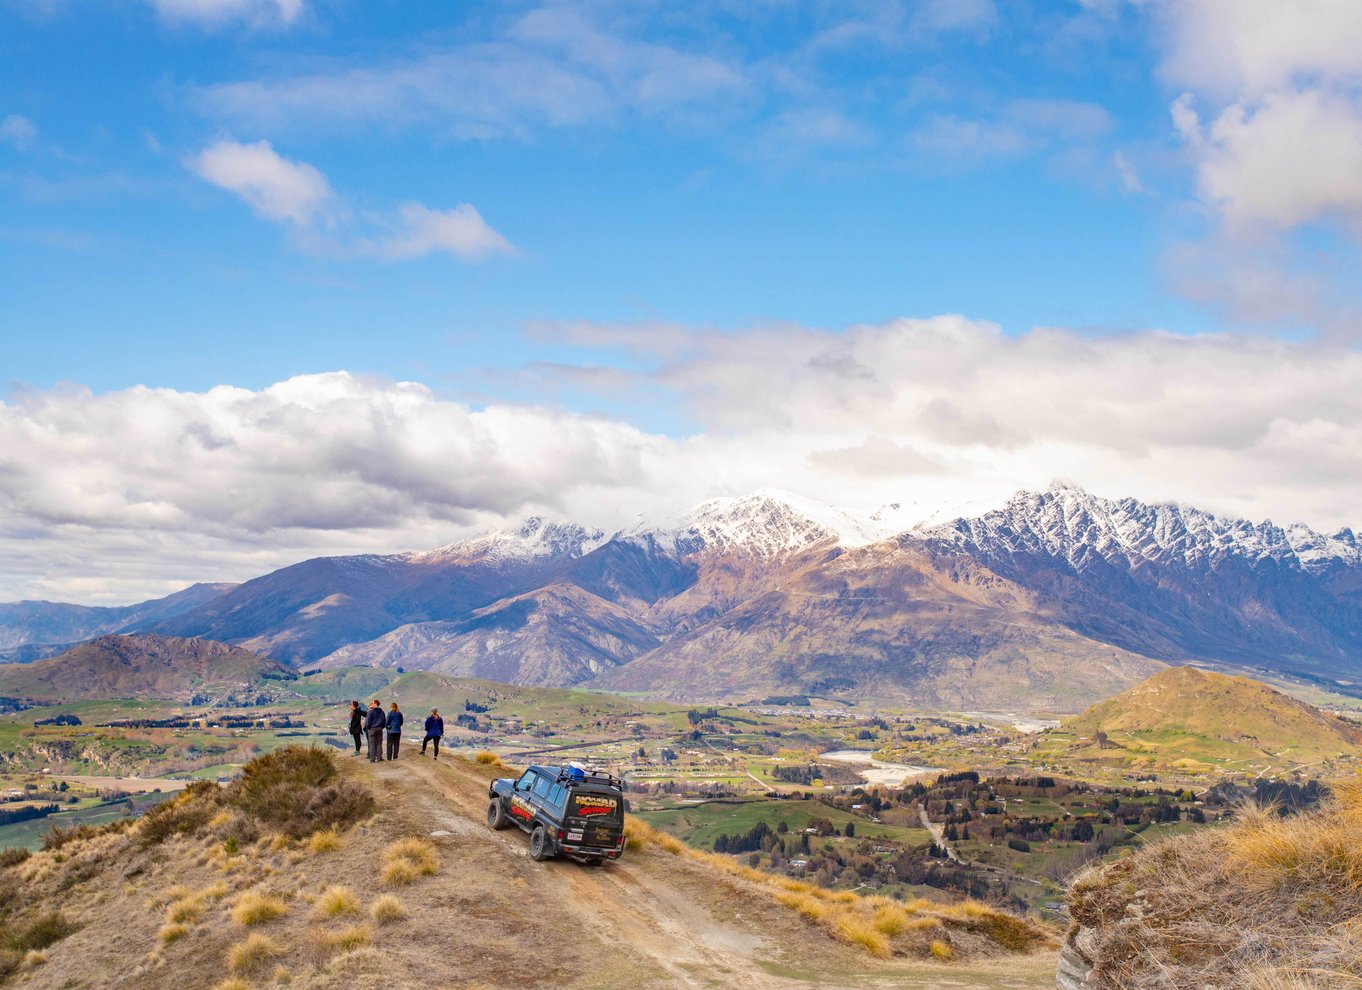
[(34, 958), (328, 840), (1266, 903), (639, 835), (256, 907), (232, 983), (942, 951), (254, 952), (858, 931), (172, 932), (486, 757), (346, 939), (335, 901), (407, 859), (186, 908), (387, 909)]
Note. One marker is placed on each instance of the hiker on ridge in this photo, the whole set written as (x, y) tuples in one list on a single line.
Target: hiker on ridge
[(394, 731), (356, 724), (435, 728), (373, 725)]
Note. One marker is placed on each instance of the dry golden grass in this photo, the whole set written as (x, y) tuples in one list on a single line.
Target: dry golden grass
[(171, 932), (640, 835), (34, 958), (282, 975), (486, 757), (346, 939), (858, 931), (256, 907), (1323, 847), (407, 859), (942, 951), (185, 909), (254, 952), (232, 983), (325, 841), (387, 909), (335, 901)]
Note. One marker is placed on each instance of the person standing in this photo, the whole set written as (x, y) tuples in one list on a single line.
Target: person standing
[(394, 727), (374, 724), (356, 724), (435, 729)]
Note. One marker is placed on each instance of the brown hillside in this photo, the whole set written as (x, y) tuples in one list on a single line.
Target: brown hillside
[(1205, 714), (140, 666), (470, 909)]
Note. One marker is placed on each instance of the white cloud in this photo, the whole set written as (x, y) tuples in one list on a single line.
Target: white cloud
[(215, 13), (461, 232), (274, 187), (152, 486), (1272, 123), (1018, 128), (296, 193), (18, 131)]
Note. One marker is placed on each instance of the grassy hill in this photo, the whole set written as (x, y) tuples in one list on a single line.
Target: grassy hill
[(236, 887), (141, 666), (1195, 719)]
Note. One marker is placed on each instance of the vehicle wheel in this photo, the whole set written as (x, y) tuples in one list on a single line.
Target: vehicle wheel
[(540, 847), (496, 818)]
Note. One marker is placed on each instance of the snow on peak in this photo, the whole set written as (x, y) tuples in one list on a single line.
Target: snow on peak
[(535, 538), (767, 522), (1069, 523)]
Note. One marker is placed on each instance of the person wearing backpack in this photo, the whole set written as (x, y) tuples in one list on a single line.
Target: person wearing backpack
[(394, 727), (374, 724), (356, 724), (435, 729)]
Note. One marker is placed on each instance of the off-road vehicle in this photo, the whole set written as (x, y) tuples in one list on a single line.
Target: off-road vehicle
[(567, 810)]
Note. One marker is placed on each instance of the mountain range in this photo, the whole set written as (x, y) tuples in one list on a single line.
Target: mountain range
[(1052, 601)]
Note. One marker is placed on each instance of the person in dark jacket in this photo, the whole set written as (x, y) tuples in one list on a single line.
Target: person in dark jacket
[(356, 724), (374, 724), (394, 731), (435, 729)]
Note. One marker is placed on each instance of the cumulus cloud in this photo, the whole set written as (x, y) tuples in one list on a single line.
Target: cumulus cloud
[(18, 131), (298, 194), (274, 187), (215, 13), (1271, 118), (154, 486)]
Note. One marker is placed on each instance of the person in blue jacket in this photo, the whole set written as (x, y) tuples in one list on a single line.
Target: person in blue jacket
[(435, 729), (374, 723), (394, 728)]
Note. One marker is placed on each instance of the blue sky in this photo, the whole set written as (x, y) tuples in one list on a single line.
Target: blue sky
[(619, 214)]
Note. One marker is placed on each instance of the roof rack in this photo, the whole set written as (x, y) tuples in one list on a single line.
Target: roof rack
[(581, 775)]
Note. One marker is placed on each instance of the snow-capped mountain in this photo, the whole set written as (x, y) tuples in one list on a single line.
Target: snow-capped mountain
[(1068, 523), (1050, 600), (536, 538)]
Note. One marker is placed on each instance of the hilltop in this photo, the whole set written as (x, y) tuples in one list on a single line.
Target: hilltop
[(1194, 717), (410, 888), (141, 666)]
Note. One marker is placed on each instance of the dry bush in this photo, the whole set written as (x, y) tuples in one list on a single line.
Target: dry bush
[(254, 952), (336, 900), (185, 813), (13, 857), (407, 859), (171, 932), (296, 790), (255, 908), (487, 758), (387, 909), (44, 930), (328, 840)]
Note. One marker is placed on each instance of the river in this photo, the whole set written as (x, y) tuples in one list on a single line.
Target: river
[(876, 771)]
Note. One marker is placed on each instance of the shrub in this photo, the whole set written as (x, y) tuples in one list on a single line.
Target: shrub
[(45, 930), (255, 908), (253, 953), (387, 909), (487, 757), (13, 857), (187, 812), (56, 836), (294, 790), (336, 900)]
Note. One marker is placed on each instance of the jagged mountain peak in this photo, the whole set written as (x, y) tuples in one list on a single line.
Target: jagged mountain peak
[(536, 537), (1068, 522)]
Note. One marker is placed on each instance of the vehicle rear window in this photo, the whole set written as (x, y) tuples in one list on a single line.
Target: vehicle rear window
[(585, 804)]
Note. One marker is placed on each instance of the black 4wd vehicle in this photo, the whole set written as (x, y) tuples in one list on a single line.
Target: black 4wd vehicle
[(578, 813)]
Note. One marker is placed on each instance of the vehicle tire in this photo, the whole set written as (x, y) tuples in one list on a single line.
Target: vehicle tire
[(496, 817), (541, 847)]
